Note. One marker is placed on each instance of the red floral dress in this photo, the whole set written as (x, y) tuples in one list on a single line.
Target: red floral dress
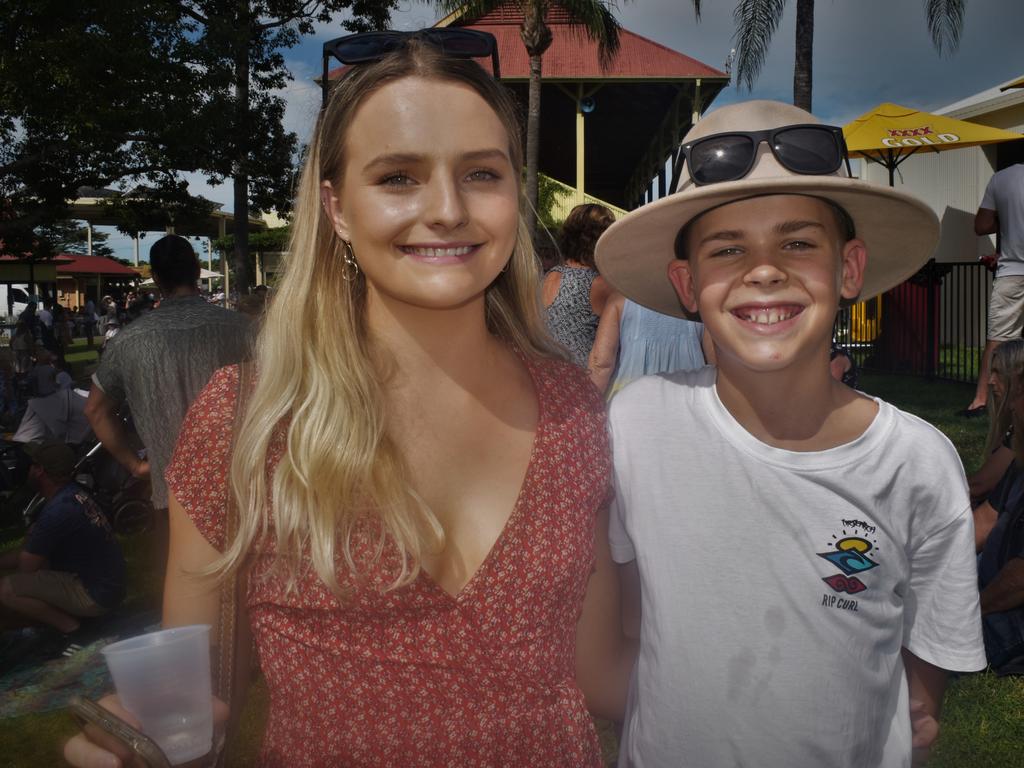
[(415, 676)]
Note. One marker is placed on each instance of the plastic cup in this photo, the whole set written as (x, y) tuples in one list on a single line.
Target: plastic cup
[(163, 678)]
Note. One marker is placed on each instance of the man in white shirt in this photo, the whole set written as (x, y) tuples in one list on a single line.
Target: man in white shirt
[(1002, 212)]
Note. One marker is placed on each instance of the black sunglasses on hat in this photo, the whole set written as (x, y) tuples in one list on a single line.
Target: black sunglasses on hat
[(811, 149), (364, 47)]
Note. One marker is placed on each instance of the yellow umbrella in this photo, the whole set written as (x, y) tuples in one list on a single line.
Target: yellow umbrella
[(1018, 83), (889, 134)]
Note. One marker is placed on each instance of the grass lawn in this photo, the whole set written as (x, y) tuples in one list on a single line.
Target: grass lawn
[(983, 718), (81, 358)]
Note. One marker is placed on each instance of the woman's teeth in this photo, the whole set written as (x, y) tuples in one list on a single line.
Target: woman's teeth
[(436, 253)]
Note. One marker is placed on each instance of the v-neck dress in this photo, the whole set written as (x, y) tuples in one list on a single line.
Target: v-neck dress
[(415, 676)]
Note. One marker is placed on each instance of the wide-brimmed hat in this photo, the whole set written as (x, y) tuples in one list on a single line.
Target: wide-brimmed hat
[(900, 231)]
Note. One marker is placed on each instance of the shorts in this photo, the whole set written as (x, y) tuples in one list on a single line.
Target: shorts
[(1006, 308), (57, 588)]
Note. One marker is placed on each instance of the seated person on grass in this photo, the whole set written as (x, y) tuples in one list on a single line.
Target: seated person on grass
[(1007, 364), (70, 566), (999, 525), (802, 553)]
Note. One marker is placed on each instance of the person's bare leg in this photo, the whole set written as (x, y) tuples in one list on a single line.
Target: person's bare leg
[(35, 611), (981, 391)]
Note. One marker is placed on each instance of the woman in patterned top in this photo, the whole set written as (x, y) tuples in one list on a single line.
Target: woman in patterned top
[(574, 293), (422, 496)]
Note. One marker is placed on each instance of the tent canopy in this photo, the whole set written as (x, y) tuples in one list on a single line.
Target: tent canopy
[(204, 274), (889, 134)]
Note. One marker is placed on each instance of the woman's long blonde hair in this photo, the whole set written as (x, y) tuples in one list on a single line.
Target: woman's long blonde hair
[(318, 382)]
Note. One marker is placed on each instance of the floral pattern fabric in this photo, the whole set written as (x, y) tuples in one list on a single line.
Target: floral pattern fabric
[(415, 676)]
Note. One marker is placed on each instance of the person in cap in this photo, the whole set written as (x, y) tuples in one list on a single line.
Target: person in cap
[(805, 551), (70, 566)]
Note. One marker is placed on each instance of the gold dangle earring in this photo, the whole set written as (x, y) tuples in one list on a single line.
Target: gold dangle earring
[(350, 267)]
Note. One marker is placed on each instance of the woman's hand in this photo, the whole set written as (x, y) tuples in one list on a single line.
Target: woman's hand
[(94, 748)]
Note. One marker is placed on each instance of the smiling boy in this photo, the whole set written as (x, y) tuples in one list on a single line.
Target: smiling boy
[(804, 552)]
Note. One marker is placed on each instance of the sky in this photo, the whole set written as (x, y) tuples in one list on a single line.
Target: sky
[(865, 52)]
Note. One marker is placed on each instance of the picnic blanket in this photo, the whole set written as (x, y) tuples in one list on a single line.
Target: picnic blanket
[(34, 686), (36, 675)]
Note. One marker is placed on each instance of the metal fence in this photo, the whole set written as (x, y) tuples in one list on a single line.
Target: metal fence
[(931, 325)]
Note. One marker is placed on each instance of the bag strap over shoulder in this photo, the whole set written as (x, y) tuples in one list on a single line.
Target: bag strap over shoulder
[(233, 653)]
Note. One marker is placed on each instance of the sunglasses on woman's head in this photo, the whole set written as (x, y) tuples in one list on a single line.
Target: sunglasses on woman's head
[(365, 47), (810, 149)]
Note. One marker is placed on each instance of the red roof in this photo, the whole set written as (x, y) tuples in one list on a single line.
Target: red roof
[(573, 56), (93, 265)]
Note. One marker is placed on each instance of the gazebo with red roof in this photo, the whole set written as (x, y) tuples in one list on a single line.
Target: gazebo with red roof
[(81, 277), (612, 128), (642, 104)]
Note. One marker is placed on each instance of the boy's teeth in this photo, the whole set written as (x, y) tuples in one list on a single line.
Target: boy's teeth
[(766, 316)]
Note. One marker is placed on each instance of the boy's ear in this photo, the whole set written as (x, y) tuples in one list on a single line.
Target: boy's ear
[(853, 261), (332, 210), (681, 277)]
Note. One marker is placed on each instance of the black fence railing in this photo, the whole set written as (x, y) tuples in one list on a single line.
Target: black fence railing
[(931, 325)]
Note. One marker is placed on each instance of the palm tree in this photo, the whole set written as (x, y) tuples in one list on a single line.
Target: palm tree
[(593, 17), (757, 20)]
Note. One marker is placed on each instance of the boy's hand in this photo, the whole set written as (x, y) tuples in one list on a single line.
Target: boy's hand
[(924, 730)]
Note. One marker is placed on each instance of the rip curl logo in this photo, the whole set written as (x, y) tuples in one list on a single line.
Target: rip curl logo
[(850, 555), (840, 583)]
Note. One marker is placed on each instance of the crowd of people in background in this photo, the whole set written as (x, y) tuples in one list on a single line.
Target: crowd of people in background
[(439, 527)]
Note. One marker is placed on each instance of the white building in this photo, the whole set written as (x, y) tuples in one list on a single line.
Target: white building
[(953, 181)]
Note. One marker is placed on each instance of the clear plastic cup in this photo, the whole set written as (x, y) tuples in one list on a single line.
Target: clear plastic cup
[(163, 678)]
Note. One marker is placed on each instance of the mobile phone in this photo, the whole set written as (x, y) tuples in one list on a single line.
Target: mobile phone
[(87, 712)]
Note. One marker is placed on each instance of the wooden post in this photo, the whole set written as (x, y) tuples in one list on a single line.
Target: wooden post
[(580, 147)]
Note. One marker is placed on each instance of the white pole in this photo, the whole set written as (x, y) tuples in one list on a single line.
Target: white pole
[(88, 238), (135, 249)]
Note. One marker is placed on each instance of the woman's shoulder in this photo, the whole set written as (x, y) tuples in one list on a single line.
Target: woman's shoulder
[(214, 407), (221, 390)]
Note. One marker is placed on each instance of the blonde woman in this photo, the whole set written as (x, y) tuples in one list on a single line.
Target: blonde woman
[(422, 494), (1007, 367)]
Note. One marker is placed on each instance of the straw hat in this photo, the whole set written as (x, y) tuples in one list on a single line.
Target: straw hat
[(900, 231)]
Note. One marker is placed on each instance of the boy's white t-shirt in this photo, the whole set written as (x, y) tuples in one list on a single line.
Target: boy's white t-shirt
[(778, 587)]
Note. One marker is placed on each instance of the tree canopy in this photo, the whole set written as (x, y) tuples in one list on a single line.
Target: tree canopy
[(102, 92)]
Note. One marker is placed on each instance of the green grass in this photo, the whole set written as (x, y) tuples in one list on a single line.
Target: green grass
[(960, 363), (81, 358), (983, 717)]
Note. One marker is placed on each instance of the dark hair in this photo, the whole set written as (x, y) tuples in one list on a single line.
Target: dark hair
[(844, 223), (174, 263), (581, 229)]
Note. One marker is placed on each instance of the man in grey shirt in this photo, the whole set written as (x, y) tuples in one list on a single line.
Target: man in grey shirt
[(158, 364)]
